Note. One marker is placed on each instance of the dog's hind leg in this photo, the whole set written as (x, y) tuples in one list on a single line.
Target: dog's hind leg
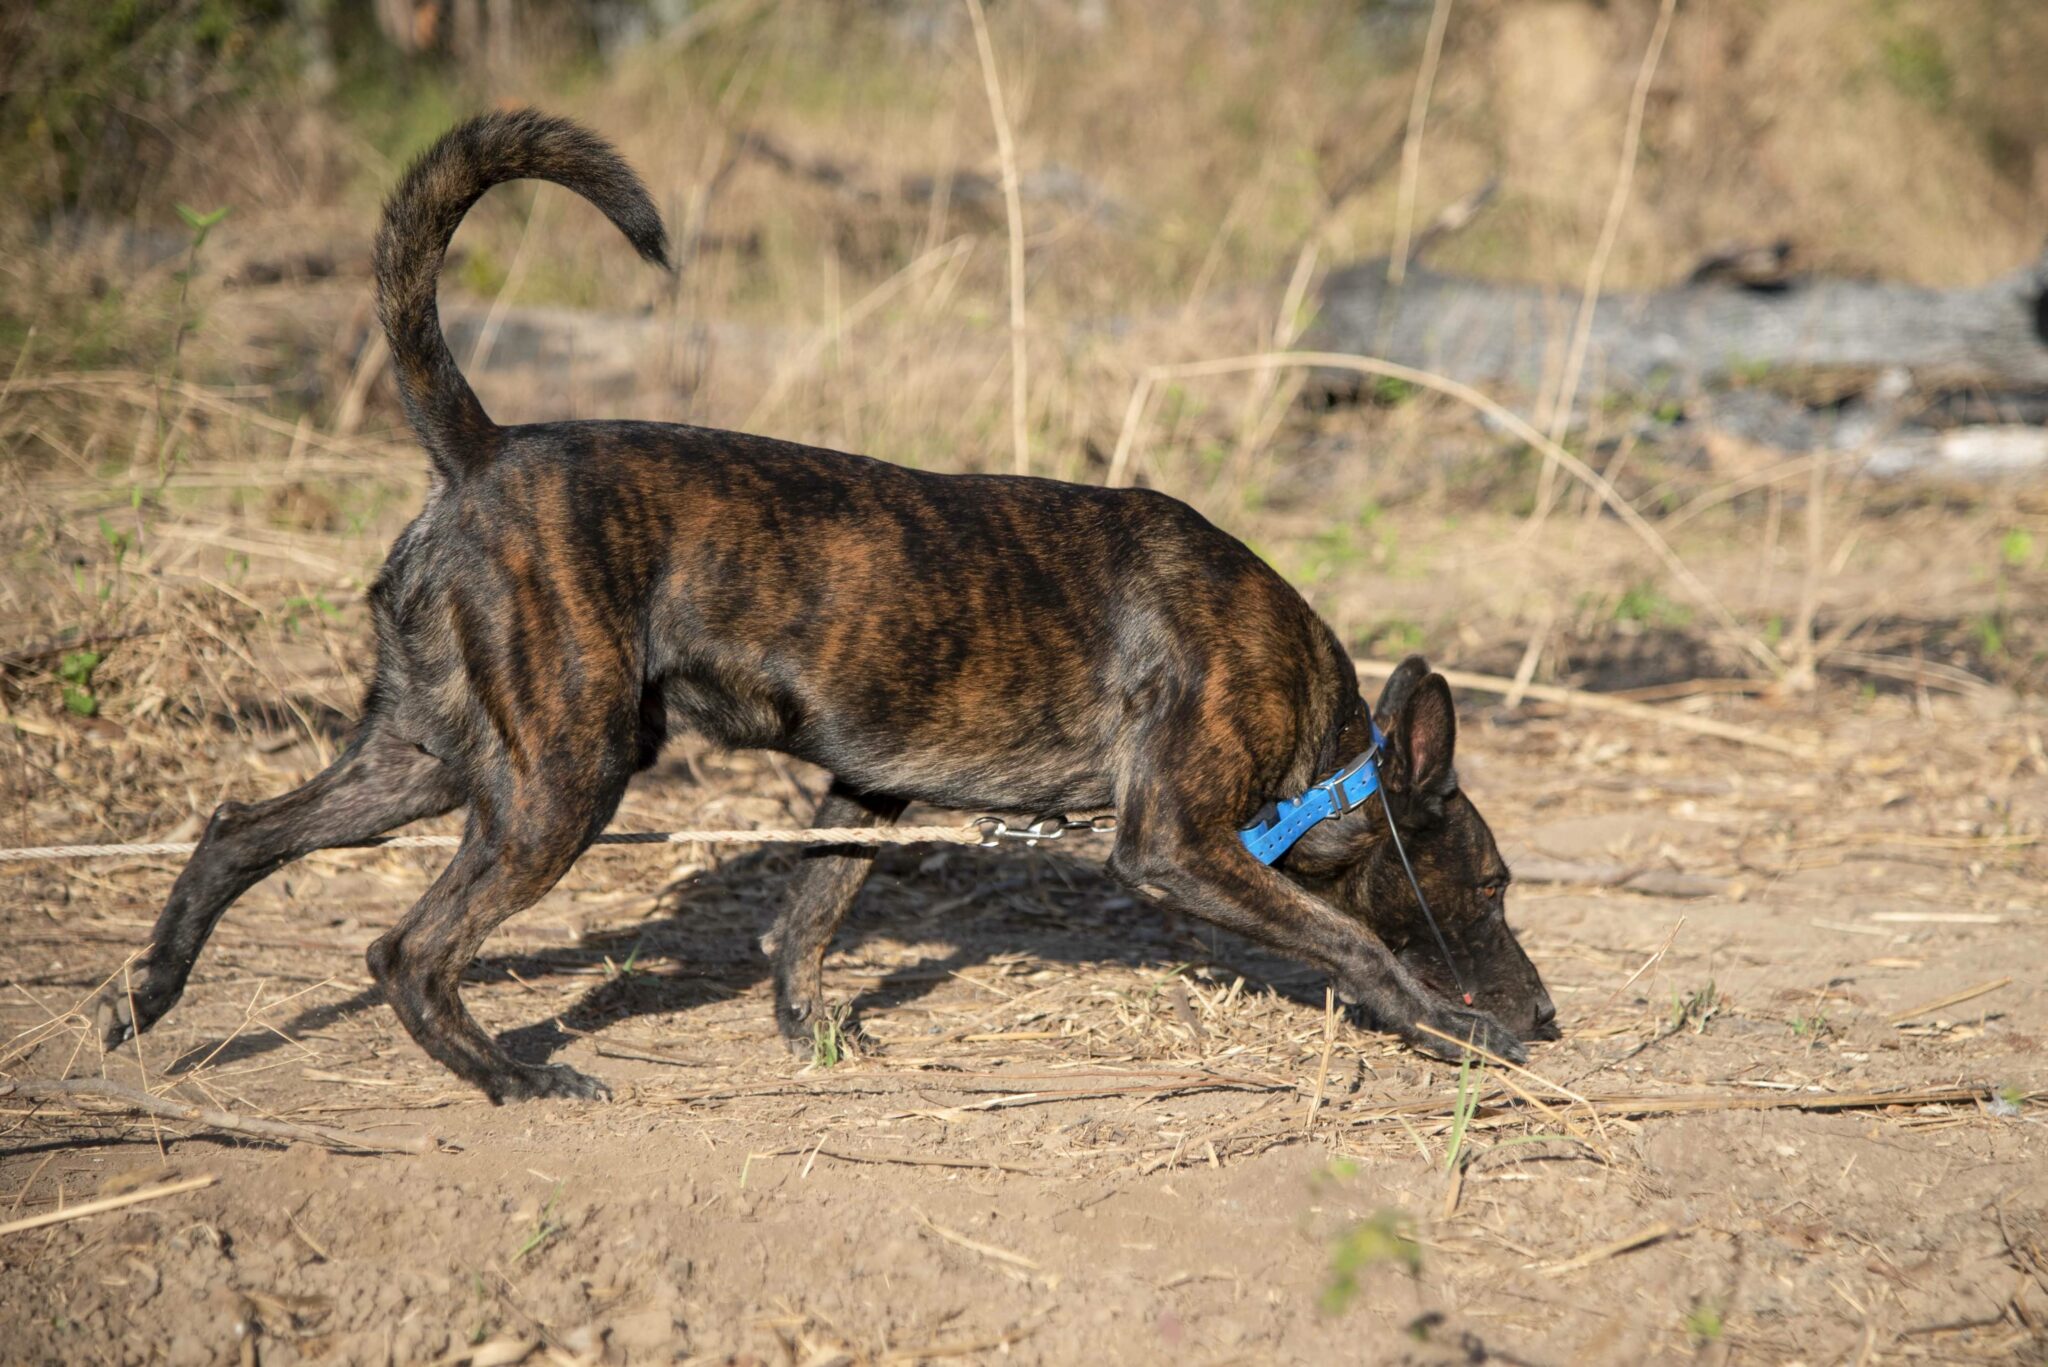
[(824, 888), (377, 782), (527, 825)]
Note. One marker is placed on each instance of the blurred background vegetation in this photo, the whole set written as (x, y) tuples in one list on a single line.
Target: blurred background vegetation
[(1189, 175)]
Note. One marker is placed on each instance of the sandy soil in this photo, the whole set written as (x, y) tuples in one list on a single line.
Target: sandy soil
[(1079, 1131)]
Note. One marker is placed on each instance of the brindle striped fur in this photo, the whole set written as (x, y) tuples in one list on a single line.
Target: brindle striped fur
[(572, 591)]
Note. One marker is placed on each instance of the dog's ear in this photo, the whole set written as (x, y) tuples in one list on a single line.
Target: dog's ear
[(1399, 685), (1425, 737)]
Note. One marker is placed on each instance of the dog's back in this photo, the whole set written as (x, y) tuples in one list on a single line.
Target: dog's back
[(944, 636)]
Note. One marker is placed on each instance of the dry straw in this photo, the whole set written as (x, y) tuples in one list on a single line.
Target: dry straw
[(1013, 210), (1610, 227)]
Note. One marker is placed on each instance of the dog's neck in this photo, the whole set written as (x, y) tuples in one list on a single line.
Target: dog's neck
[(1349, 737)]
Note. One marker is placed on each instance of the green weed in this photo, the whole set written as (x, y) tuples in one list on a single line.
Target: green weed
[(829, 1043), (1643, 603), (1462, 1111), (1917, 68), (543, 1228), (1396, 637), (301, 606), (1695, 1008), (1385, 1237), (1989, 630), (75, 670), (1812, 1028)]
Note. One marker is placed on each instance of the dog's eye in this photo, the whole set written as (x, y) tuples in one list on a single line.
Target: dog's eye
[(1492, 891)]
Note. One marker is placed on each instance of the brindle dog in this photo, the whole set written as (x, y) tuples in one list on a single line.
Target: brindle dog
[(572, 591)]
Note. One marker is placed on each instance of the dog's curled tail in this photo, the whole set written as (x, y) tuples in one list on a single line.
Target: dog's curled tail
[(421, 217)]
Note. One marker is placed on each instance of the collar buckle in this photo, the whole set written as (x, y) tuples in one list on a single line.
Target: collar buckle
[(1342, 802)]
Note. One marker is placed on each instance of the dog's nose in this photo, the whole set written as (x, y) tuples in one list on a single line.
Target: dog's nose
[(1546, 1020)]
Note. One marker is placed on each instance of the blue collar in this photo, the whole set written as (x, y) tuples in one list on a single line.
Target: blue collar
[(1341, 792)]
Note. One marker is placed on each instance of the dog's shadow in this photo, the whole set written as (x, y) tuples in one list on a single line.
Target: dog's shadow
[(922, 918)]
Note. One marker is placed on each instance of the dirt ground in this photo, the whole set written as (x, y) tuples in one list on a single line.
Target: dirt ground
[(1793, 1117)]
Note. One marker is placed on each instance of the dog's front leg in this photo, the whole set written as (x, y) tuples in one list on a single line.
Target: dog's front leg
[(824, 888), (1216, 879)]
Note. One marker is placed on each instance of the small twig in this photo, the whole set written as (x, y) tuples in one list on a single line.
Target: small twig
[(1001, 1255), (1526, 670), (55, 1217), (1648, 964), (1927, 1008), (1627, 1243), (1495, 1059), (68, 1090), (913, 1160), (1329, 1042), (925, 1352)]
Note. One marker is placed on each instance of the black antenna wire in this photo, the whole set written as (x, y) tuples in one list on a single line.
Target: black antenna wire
[(1420, 900)]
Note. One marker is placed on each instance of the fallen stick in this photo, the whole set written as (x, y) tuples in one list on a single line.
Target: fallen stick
[(1001, 1255), (1629, 878), (1619, 707), (68, 1090), (1628, 1243), (1637, 1108), (911, 1160), (105, 1203), (1957, 999)]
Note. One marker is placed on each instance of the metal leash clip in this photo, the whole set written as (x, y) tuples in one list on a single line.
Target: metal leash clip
[(994, 830)]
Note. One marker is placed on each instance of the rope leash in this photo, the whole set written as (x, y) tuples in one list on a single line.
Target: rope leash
[(984, 831)]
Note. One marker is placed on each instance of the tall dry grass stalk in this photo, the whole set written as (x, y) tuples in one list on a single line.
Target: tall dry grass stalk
[(1013, 208), (1596, 270), (1411, 144)]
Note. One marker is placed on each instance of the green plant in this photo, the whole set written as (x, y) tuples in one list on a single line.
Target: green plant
[(1917, 67), (1388, 392), (1697, 1008), (1704, 1323), (75, 670), (1384, 1237), (1643, 603), (1396, 636), (303, 605), (1989, 629), (120, 543), (543, 1228), (101, 92), (1462, 1111), (829, 1041), (2016, 548), (1812, 1028), (1745, 370), (198, 226)]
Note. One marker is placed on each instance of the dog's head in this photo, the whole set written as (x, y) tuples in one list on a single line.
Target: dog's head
[(1352, 861)]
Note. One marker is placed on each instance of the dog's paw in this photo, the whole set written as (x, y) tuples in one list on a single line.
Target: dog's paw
[(817, 1033), (539, 1082), (1468, 1026), (113, 1019)]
